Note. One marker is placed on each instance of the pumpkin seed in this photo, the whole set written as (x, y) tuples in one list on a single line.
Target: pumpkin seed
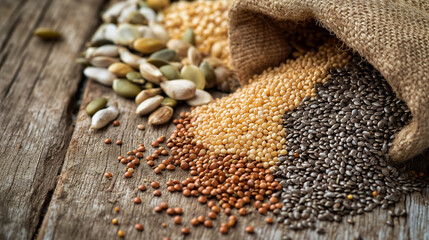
[(47, 34), (148, 45), (189, 36), (179, 46), (95, 105), (180, 89), (151, 73), (194, 56), (83, 62), (213, 61), (159, 32), (169, 102), (148, 93), (177, 65), (164, 54), (149, 105), (105, 51), (148, 85), (120, 69), (101, 42), (114, 11), (146, 32), (170, 72), (102, 61), (127, 33), (135, 17), (148, 13), (100, 75), (130, 58), (104, 116), (157, 62), (194, 74), (105, 34), (124, 17), (201, 97), (158, 4), (209, 75), (125, 88), (135, 77), (161, 115)]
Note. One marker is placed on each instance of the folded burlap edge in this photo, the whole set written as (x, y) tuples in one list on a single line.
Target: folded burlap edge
[(391, 35)]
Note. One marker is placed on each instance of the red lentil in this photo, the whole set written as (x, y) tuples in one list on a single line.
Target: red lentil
[(170, 211), (185, 231), (108, 141), (139, 227), (119, 142), (208, 223), (178, 210), (157, 193), (177, 219), (137, 200), (121, 233), (212, 215), (128, 174), (116, 123), (108, 175), (142, 187), (269, 220), (115, 221), (155, 184), (164, 205), (116, 209), (195, 222), (250, 229)]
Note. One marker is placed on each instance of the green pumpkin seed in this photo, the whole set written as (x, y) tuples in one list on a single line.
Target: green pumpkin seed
[(157, 62), (95, 105), (169, 102), (135, 77), (125, 88), (101, 42), (164, 54), (148, 85), (136, 17), (194, 74), (189, 36), (47, 34), (209, 75), (148, 45), (83, 62), (170, 72)]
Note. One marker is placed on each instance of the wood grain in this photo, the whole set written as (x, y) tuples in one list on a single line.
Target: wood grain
[(38, 82), (84, 200)]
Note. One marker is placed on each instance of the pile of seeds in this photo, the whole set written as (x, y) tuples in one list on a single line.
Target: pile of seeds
[(337, 145), (209, 21), (132, 52), (248, 122)]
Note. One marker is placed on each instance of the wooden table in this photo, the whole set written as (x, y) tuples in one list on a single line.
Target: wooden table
[(51, 172)]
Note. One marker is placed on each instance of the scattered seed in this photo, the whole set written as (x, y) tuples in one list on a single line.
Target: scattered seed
[(250, 229), (177, 219), (107, 141), (121, 233), (115, 221), (108, 175), (119, 142), (157, 193), (139, 227)]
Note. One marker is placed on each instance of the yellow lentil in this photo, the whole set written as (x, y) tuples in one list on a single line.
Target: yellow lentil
[(249, 121)]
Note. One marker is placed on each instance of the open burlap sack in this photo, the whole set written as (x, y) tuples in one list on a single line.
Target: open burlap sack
[(393, 35)]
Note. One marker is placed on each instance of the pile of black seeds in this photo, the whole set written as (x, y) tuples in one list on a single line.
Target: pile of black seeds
[(337, 160)]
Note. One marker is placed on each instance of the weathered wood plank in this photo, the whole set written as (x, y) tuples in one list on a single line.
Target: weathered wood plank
[(38, 83), (83, 202)]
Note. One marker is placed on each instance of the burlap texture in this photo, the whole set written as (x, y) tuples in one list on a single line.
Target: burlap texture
[(393, 35)]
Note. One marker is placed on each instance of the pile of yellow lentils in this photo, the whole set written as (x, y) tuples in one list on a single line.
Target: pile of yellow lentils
[(250, 120)]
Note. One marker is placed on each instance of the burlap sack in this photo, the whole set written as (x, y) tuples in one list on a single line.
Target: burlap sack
[(393, 35)]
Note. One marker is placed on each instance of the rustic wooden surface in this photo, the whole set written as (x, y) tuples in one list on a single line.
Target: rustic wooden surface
[(38, 84)]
